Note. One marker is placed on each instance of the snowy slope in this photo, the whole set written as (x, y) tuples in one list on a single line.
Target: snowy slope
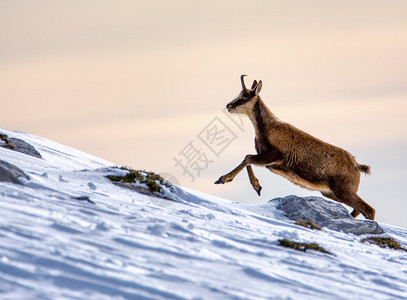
[(54, 244)]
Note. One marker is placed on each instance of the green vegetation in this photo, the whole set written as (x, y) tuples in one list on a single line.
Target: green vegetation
[(308, 224), (384, 242), (151, 179), (4, 138), (302, 246)]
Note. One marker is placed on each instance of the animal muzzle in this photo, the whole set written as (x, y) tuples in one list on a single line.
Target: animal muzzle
[(230, 107)]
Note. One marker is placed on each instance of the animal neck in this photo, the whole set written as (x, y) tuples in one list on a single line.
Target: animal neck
[(261, 116)]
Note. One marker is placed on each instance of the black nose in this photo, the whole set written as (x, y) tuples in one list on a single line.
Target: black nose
[(228, 106)]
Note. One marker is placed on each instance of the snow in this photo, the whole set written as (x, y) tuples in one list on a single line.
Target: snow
[(54, 244)]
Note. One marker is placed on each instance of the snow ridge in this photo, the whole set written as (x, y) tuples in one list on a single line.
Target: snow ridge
[(121, 244)]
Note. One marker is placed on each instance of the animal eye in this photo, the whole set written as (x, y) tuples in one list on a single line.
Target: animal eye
[(245, 97)]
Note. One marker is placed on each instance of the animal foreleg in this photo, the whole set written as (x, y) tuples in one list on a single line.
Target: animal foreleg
[(258, 159), (253, 180), (232, 174)]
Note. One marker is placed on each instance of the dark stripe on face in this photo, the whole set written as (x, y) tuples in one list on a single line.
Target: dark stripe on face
[(244, 98), (239, 101)]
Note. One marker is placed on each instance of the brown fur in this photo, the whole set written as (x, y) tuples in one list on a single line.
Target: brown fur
[(298, 156)]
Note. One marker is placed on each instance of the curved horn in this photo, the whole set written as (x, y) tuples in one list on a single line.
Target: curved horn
[(242, 80)]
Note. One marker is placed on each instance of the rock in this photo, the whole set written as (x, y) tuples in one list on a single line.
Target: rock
[(325, 213), (24, 147), (18, 145), (11, 173)]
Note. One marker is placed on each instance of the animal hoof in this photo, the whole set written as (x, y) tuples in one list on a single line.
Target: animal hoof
[(259, 190), (219, 181)]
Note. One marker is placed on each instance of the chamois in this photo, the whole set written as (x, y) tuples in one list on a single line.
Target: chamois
[(297, 155)]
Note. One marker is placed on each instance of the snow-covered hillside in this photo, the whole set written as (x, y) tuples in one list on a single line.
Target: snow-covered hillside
[(69, 232)]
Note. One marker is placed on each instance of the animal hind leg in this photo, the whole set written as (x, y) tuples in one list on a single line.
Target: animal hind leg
[(332, 196), (355, 213), (253, 180), (359, 206), (367, 211)]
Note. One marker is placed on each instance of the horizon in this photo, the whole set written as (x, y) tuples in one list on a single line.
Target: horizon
[(136, 83)]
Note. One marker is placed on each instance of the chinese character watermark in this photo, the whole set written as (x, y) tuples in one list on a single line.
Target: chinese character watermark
[(192, 159), (216, 137)]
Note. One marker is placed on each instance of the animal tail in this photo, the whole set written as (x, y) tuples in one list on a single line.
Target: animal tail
[(364, 168)]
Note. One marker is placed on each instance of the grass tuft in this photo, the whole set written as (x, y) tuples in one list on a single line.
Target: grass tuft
[(4, 138), (384, 242), (151, 179), (308, 224), (302, 246)]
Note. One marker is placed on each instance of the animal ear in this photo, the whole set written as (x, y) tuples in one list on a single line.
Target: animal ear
[(254, 84), (257, 89)]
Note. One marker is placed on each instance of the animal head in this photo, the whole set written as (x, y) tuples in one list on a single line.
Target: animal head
[(243, 104)]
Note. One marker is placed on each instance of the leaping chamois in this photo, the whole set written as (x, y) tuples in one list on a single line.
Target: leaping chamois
[(297, 155)]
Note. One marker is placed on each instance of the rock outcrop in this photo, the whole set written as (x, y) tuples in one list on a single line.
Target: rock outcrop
[(23, 147), (11, 173), (325, 213)]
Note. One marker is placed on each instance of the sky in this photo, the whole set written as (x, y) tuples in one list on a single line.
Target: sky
[(144, 84)]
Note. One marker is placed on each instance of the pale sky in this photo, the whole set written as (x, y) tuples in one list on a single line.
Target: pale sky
[(140, 83)]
